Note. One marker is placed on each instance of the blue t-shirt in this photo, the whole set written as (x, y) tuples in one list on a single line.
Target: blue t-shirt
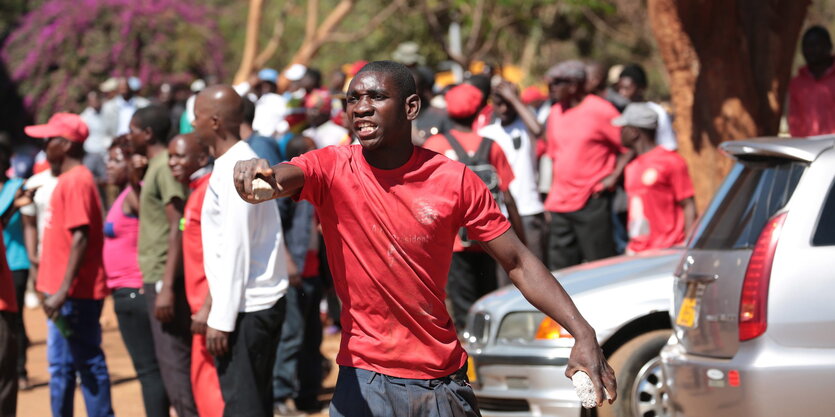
[(265, 147), (13, 232)]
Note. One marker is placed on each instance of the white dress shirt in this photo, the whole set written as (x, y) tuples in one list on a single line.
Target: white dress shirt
[(520, 153), (665, 136), (243, 246)]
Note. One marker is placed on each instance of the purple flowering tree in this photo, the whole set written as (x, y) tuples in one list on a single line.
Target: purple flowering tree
[(66, 48)]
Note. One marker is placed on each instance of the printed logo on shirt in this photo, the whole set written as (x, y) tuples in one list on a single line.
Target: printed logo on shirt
[(649, 177), (424, 212)]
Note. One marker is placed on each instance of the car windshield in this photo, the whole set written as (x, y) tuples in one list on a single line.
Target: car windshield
[(751, 194)]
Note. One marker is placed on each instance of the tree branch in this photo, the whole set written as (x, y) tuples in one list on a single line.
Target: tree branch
[(253, 22), (312, 19), (475, 32), (275, 40), (369, 27), (492, 37), (437, 31)]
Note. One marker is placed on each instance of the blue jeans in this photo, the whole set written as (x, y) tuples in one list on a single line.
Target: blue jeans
[(79, 354), (285, 381)]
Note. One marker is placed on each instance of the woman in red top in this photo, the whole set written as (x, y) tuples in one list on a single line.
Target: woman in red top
[(124, 279)]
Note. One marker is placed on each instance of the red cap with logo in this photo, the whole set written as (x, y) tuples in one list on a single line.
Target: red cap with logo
[(463, 101), (65, 125)]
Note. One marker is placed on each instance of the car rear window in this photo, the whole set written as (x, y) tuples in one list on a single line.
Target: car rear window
[(750, 195), (825, 233)]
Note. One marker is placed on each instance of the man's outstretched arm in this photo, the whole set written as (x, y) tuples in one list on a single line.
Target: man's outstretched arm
[(545, 293), (285, 179)]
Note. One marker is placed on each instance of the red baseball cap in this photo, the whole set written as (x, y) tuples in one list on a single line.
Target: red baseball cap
[(66, 125), (532, 94), (463, 101)]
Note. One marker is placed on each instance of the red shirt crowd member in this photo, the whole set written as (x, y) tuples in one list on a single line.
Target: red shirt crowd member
[(588, 161), (661, 206), (390, 212), (9, 335), (189, 163), (71, 274), (812, 90), (472, 273)]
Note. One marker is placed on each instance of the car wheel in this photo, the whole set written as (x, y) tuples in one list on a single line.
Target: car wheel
[(641, 389)]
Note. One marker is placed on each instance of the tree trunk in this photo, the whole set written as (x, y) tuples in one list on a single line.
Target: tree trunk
[(253, 22), (729, 63)]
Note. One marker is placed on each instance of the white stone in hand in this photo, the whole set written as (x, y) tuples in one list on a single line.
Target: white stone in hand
[(585, 389), (261, 189)]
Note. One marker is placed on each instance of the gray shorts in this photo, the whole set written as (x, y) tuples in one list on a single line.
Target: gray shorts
[(363, 393)]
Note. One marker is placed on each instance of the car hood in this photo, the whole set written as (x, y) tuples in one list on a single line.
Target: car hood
[(592, 276)]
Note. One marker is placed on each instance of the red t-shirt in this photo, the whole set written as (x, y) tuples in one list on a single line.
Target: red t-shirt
[(389, 235), (74, 203), (8, 300), (656, 182), (584, 146), (470, 142), (195, 275), (810, 103)]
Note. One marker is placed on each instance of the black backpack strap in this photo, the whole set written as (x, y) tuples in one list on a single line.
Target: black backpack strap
[(483, 153), (463, 157)]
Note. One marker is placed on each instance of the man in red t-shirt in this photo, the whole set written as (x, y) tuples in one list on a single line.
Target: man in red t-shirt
[(390, 212), (8, 338), (190, 164), (812, 90), (473, 272), (660, 193), (588, 162), (71, 275)]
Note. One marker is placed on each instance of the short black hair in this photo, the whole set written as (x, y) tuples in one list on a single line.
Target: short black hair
[(315, 76), (156, 118), (817, 30), (401, 75), (482, 82), (248, 108), (296, 146), (424, 77), (636, 73)]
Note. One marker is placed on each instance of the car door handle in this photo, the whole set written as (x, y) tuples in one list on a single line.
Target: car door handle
[(696, 277)]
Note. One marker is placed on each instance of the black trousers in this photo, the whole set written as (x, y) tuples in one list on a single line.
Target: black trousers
[(172, 345), (135, 326), (310, 359), (8, 363), (471, 276), (245, 372), (582, 235), (20, 279)]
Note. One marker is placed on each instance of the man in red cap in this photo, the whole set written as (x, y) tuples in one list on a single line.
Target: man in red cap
[(473, 271), (70, 274)]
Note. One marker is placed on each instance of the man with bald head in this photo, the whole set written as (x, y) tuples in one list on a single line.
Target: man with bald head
[(390, 212), (244, 261)]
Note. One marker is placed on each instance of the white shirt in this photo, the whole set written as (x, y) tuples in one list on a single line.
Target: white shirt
[(664, 134), (522, 160), (243, 246), (98, 140), (327, 134), (270, 110), (45, 183)]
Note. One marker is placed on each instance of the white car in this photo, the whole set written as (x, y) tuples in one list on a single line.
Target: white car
[(518, 355)]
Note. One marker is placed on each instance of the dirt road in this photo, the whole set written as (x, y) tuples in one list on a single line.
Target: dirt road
[(127, 399)]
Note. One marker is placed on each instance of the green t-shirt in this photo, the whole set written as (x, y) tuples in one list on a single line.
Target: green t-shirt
[(158, 189)]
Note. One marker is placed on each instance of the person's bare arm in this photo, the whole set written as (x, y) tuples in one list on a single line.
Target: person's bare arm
[(689, 205), (514, 217), (198, 319), (285, 179), (164, 307), (545, 293), (609, 181), (52, 304)]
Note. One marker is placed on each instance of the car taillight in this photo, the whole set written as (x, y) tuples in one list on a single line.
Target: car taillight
[(753, 304), (549, 330)]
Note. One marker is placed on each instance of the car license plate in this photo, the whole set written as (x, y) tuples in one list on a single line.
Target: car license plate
[(471, 375), (688, 313)]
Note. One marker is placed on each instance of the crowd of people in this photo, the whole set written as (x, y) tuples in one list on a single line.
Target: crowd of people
[(219, 294)]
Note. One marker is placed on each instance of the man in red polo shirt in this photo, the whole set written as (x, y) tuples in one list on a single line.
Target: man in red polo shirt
[(190, 164), (71, 274), (588, 162), (8, 338), (473, 272)]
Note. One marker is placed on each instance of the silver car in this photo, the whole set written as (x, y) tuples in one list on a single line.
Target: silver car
[(754, 312), (518, 356)]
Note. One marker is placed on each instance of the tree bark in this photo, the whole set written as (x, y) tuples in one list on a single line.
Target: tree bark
[(253, 23), (729, 63)]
